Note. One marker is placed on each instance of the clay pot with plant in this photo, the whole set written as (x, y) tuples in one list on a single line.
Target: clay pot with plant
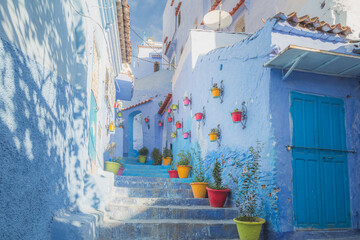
[(215, 90), (236, 115), (199, 183), (178, 124), (156, 156), (167, 156), (216, 191), (111, 165), (247, 197), (143, 154), (173, 172), (213, 134), (183, 165)]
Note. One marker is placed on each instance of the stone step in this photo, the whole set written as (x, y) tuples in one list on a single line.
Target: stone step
[(145, 174), (162, 185), (161, 201), (152, 179), (151, 192), (164, 229), (123, 212), (148, 167)]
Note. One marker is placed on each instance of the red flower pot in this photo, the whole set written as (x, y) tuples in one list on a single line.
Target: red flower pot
[(146, 120), (186, 102), (173, 174), (116, 105), (198, 116), (120, 171), (217, 198), (160, 124), (169, 119), (185, 135), (236, 116), (178, 125)]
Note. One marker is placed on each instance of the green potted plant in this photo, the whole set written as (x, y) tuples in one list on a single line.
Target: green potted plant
[(143, 154), (183, 165), (215, 90), (120, 161), (248, 200), (111, 165), (156, 156), (213, 134), (236, 115), (216, 191), (167, 156), (199, 183)]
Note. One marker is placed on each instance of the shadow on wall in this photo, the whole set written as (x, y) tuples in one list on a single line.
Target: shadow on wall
[(43, 124)]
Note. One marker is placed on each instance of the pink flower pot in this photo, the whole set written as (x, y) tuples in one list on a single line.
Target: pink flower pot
[(120, 171), (186, 102), (185, 135)]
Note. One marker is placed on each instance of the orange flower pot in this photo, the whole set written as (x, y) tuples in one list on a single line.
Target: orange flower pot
[(183, 171), (212, 137), (166, 161), (199, 189), (215, 92)]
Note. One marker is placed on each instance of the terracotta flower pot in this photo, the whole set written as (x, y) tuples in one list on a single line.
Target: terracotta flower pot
[(178, 125), (173, 173), (212, 137), (166, 161), (186, 101), (217, 198), (215, 92), (183, 171), (185, 135), (236, 116), (199, 189), (198, 116)]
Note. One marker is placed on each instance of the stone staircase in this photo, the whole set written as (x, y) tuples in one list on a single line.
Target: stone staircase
[(147, 204)]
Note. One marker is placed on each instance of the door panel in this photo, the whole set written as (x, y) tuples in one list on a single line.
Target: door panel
[(321, 192)]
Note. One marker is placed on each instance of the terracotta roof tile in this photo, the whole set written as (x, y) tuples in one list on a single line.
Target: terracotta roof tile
[(135, 105), (178, 8), (314, 24), (165, 104), (237, 6), (172, 3)]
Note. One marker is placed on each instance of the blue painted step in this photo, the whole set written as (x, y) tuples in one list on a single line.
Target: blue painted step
[(152, 192), (160, 201)]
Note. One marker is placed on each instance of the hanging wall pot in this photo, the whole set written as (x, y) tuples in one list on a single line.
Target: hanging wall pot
[(146, 120), (169, 110), (186, 135), (119, 114), (198, 116), (236, 116), (178, 125), (173, 134), (174, 107), (186, 101), (170, 119), (112, 127), (160, 123), (215, 90), (116, 105), (240, 116)]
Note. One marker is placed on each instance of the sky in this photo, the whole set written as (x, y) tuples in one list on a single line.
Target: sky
[(145, 16)]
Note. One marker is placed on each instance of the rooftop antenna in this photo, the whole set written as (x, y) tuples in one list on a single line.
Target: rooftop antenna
[(217, 19)]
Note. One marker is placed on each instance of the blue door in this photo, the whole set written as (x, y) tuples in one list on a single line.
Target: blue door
[(320, 172)]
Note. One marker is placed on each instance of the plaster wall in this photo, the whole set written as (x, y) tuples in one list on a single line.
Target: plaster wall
[(147, 56), (44, 113)]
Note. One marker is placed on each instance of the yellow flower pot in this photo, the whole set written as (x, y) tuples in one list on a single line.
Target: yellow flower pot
[(112, 167), (183, 171), (249, 230), (215, 92), (112, 128), (166, 161), (212, 137), (199, 189)]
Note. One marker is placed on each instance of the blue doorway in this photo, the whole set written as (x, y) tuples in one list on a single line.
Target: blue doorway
[(320, 168)]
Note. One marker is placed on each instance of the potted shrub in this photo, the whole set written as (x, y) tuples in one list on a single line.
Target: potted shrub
[(183, 166), (198, 116), (199, 183), (160, 123), (111, 165), (185, 135), (236, 115), (173, 173), (143, 153), (217, 192), (248, 201), (215, 90), (120, 161), (186, 101), (156, 156), (167, 155), (178, 124), (170, 119), (213, 134)]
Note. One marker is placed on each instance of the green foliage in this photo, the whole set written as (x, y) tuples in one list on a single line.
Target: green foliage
[(214, 86), (184, 158), (167, 152), (248, 201), (120, 161), (198, 171), (214, 130), (144, 151), (217, 185), (156, 156)]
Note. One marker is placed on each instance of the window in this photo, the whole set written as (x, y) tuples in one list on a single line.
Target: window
[(156, 66)]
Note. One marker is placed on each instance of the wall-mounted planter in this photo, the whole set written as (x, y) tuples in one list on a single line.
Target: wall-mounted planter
[(178, 125), (173, 135), (218, 92), (112, 128), (215, 135), (146, 120), (160, 123), (186, 101), (169, 110), (170, 119), (174, 107), (198, 116), (212, 137), (116, 105), (173, 174), (236, 116), (119, 114), (215, 92), (185, 135)]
